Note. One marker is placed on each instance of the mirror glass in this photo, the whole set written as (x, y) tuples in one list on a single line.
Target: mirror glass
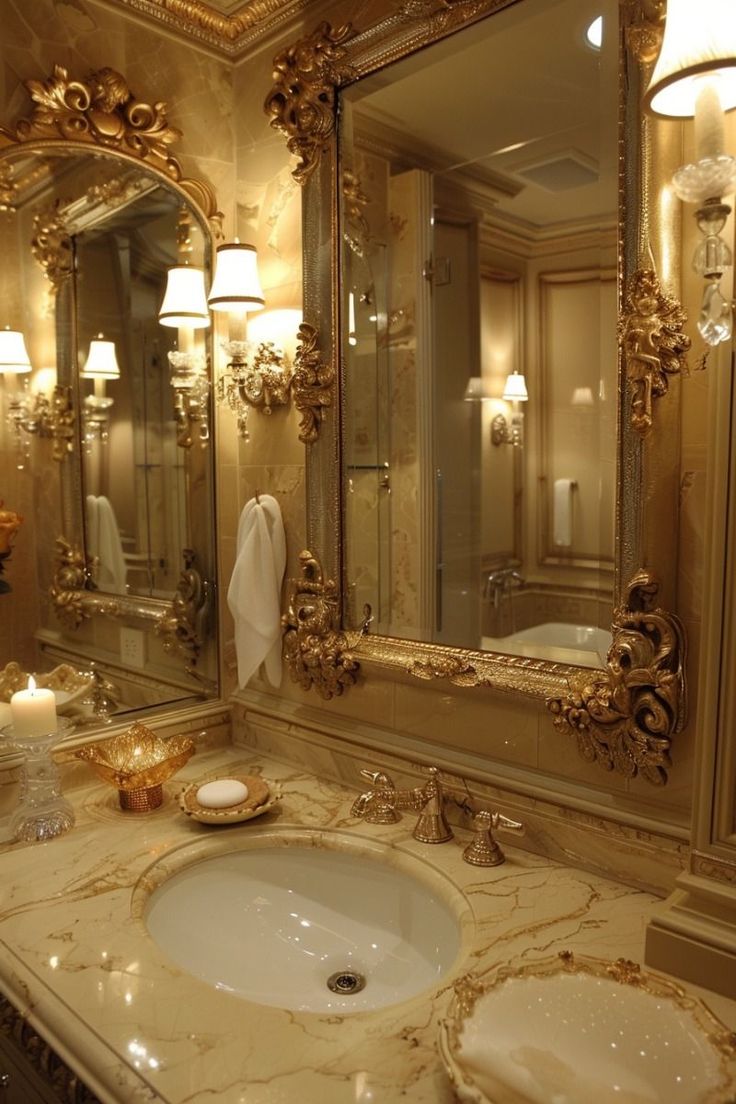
[(88, 239), (479, 223)]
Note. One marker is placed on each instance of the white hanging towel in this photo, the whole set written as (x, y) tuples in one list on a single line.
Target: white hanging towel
[(113, 572), (93, 526), (254, 594), (562, 510)]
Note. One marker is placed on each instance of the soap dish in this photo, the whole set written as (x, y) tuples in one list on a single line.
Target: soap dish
[(259, 800), (516, 1039)]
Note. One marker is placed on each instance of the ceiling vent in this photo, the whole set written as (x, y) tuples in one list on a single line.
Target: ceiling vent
[(562, 172)]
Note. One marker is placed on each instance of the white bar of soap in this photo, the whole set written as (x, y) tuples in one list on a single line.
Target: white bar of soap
[(222, 793)]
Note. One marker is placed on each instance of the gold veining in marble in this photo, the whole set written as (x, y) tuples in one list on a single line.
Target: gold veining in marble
[(625, 718)]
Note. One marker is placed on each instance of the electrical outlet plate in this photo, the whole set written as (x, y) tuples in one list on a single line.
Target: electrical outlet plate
[(133, 647)]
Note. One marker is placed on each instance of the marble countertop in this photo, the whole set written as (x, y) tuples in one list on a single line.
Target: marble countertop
[(75, 956)]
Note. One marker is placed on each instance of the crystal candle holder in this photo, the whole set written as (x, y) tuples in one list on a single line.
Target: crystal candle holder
[(42, 812)]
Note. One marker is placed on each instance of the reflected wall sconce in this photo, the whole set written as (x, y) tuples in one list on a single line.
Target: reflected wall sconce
[(474, 390), (34, 413), (503, 431), (695, 77), (101, 365), (184, 307)]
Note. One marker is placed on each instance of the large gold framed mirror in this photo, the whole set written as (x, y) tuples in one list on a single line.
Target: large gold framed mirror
[(111, 434), (485, 273)]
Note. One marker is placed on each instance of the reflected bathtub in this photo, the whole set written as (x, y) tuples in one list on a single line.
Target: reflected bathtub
[(584, 645)]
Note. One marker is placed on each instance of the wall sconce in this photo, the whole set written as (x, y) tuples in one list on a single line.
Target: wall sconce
[(258, 373), (34, 413), (101, 365), (504, 432), (695, 77), (184, 307)]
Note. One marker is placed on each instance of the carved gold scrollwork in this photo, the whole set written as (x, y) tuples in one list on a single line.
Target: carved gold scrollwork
[(301, 103), (458, 671), (645, 28), (317, 652), (101, 110), (71, 601), (51, 245), (653, 344), (63, 1082), (624, 717), (178, 626), (312, 384)]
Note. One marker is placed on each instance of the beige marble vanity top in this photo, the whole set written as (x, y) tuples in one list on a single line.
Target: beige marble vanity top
[(75, 958)]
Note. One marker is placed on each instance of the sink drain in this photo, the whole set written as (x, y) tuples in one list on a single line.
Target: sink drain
[(346, 981)]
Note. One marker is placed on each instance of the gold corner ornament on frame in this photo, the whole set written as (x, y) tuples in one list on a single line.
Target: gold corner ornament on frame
[(301, 103), (653, 344), (317, 652), (624, 718), (102, 111)]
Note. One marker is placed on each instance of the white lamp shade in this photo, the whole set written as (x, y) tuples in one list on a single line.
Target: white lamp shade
[(515, 389), (13, 353), (185, 302), (583, 396), (101, 362), (236, 286), (699, 37)]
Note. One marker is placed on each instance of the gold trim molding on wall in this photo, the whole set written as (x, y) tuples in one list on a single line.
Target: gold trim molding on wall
[(229, 34), (624, 718)]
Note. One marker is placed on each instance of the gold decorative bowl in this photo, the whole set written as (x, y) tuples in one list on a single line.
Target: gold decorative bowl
[(138, 763), (67, 683)]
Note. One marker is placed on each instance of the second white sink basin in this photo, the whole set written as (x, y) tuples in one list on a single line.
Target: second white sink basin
[(274, 923)]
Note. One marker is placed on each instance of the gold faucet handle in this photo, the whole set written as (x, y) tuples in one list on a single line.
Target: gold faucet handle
[(483, 849), (378, 779), (432, 826), (508, 825)]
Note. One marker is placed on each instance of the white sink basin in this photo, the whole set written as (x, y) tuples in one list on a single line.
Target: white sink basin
[(272, 922)]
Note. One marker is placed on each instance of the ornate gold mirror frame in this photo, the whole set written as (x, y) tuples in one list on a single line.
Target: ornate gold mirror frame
[(624, 716), (100, 114)]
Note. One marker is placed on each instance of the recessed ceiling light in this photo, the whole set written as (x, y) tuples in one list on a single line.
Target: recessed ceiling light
[(594, 33)]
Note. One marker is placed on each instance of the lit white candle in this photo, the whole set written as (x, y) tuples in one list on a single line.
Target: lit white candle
[(33, 711)]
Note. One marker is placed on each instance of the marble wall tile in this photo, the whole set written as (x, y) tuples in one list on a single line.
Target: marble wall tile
[(473, 721)]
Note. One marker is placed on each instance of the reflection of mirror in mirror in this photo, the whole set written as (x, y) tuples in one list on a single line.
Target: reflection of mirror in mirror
[(134, 473), (87, 244), (479, 238)]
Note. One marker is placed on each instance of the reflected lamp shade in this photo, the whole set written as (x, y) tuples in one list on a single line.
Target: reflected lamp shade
[(185, 302), (236, 286), (699, 38), (13, 353), (474, 390), (515, 389), (101, 362)]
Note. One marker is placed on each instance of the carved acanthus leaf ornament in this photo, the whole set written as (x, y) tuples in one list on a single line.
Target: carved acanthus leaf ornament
[(102, 111), (312, 384), (317, 652), (301, 103), (624, 718)]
